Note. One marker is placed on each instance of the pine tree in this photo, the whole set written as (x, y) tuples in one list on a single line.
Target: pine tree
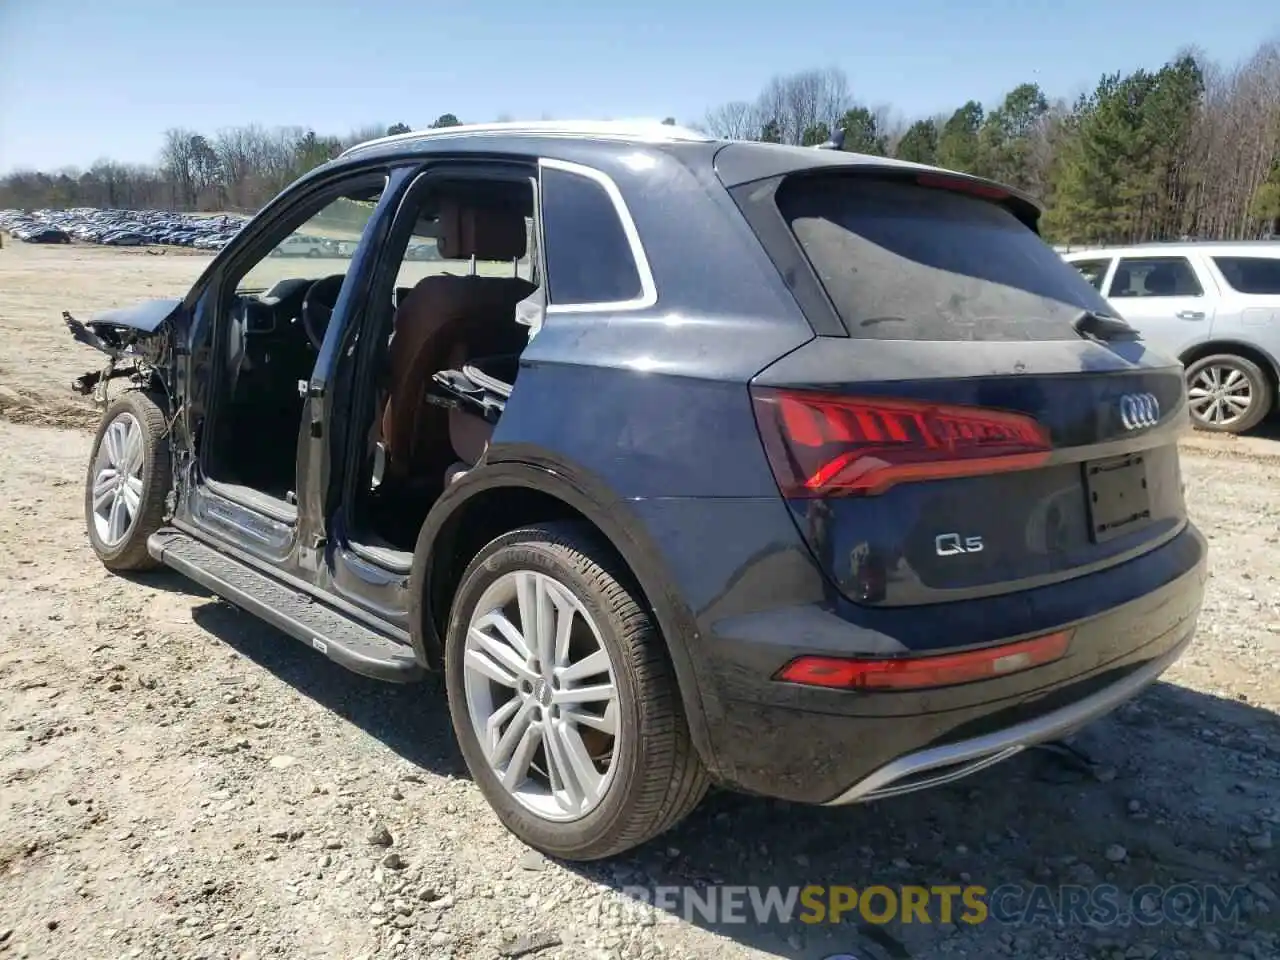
[(1005, 140), (958, 147), (920, 143), (861, 133)]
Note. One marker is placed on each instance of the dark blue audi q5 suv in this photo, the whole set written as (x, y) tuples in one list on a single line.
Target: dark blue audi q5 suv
[(811, 474)]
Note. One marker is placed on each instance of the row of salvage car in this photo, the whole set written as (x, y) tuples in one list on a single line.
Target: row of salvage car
[(122, 228)]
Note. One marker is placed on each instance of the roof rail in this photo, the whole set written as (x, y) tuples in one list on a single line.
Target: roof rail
[(653, 131)]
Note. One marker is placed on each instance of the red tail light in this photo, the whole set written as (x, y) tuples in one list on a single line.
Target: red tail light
[(914, 673), (826, 445)]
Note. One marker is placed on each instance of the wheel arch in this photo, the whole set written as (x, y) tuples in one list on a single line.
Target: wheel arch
[(496, 498)]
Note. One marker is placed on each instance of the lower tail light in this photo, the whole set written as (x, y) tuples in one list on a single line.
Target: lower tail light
[(915, 673), (830, 445)]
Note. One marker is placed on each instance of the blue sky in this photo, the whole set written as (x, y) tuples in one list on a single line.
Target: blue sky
[(82, 79)]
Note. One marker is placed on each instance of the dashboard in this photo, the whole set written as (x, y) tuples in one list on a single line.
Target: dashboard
[(280, 306)]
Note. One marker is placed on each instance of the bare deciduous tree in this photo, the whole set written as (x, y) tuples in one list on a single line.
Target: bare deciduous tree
[(736, 120), (177, 160)]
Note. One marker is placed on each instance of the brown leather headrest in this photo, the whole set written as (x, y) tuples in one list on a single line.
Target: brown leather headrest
[(486, 233)]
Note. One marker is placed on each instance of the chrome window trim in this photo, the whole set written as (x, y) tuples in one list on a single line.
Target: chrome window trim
[(648, 288)]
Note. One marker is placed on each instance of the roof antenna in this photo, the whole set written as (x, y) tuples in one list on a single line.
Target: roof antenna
[(836, 141)]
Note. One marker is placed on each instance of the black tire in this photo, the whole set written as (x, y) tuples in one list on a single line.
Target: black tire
[(156, 474), (1261, 392), (658, 777)]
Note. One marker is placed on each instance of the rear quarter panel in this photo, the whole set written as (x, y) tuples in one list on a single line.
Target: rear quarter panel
[(1252, 320), (646, 416), (654, 402)]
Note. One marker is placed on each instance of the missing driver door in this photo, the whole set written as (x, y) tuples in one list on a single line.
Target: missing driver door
[(281, 319)]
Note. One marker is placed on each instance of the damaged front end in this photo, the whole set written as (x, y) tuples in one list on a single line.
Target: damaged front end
[(135, 340)]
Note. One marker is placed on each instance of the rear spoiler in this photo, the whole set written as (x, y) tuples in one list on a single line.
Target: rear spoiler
[(739, 163)]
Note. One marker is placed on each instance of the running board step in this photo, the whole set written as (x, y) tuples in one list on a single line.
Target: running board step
[(344, 641)]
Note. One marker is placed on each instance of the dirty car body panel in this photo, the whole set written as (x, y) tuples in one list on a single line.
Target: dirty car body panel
[(841, 503)]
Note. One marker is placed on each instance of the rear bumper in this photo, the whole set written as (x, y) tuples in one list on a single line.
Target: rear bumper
[(936, 766), (820, 746)]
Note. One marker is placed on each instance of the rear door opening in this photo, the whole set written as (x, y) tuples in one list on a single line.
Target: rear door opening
[(972, 434)]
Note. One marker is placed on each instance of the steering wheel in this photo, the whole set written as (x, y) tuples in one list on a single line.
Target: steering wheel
[(317, 307)]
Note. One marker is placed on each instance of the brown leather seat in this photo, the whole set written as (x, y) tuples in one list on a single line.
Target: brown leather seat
[(443, 320)]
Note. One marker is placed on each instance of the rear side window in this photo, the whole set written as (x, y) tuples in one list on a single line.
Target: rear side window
[(588, 256), (906, 262), (1155, 277), (1251, 274), (1094, 271)]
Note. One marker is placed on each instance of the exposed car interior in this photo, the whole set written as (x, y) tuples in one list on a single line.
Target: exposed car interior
[(452, 353), (269, 350), (277, 318), (446, 350)]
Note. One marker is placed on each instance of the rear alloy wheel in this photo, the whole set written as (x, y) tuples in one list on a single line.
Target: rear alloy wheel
[(563, 699), (128, 478), (1227, 393)]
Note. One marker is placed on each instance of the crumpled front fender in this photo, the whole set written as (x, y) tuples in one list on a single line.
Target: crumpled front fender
[(144, 317), (132, 338)]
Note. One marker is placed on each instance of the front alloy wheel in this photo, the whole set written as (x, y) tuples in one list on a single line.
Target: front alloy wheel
[(563, 696), (129, 475), (117, 480)]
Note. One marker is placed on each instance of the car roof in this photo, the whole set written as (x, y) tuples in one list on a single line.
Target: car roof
[(1253, 248), (736, 161), (634, 131)]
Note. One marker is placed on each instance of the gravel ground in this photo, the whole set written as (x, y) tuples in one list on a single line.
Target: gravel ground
[(178, 780)]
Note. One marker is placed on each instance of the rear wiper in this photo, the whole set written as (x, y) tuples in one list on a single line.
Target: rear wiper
[(1103, 328)]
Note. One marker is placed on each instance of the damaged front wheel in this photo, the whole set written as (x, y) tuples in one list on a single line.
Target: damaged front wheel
[(129, 476)]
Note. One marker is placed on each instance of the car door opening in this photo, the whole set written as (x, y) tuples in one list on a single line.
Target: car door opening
[(274, 323), (450, 357)]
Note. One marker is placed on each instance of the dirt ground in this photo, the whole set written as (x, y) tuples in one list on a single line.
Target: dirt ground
[(178, 780)]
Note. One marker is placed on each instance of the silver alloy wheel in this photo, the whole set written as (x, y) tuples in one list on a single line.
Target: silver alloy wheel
[(1220, 395), (117, 479), (541, 694)]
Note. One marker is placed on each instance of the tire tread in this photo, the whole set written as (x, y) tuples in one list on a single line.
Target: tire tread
[(676, 779), (132, 554)]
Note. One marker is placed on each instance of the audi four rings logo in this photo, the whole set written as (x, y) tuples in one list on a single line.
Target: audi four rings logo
[(1139, 410)]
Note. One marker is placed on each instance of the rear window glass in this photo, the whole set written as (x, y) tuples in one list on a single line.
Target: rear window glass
[(1251, 274), (907, 262)]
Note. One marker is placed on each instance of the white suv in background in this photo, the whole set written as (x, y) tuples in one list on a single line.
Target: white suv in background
[(1216, 306)]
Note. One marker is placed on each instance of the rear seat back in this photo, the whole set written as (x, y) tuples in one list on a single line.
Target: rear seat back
[(443, 321)]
